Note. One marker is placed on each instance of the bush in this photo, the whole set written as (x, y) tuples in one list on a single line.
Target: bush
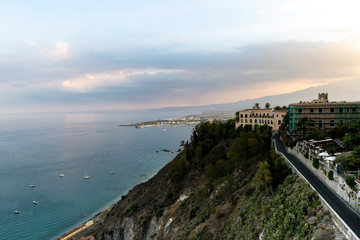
[(316, 163), (292, 143), (350, 181), (177, 171), (331, 175)]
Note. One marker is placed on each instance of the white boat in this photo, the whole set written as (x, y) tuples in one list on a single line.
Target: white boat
[(17, 211), (86, 176), (35, 202), (62, 175), (32, 185), (112, 172)]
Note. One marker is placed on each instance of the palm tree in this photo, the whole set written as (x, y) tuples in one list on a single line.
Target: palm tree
[(303, 124), (256, 105), (267, 105)]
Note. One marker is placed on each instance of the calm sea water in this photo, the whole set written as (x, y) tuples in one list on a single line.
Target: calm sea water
[(35, 149)]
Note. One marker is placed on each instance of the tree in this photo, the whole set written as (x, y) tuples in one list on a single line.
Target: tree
[(285, 121), (267, 105), (263, 178), (238, 152), (350, 181), (303, 124), (256, 105), (237, 118)]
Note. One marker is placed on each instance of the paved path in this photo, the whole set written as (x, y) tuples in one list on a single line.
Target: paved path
[(349, 216)]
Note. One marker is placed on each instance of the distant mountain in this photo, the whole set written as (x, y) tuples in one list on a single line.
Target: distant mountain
[(338, 91)]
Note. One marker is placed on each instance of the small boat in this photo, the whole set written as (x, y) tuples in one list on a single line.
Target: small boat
[(35, 202), (17, 211), (86, 176), (32, 185), (112, 172), (62, 175)]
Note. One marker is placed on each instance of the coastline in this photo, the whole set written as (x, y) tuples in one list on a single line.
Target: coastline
[(98, 216)]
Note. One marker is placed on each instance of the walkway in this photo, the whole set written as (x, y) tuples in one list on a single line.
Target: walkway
[(340, 207)]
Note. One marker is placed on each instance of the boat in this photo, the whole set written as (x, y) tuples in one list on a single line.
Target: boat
[(62, 175), (35, 202), (32, 185), (17, 211), (86, 176), (112, 172)]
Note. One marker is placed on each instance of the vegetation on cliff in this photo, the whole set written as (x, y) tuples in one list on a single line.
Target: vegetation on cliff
[(227, 183)]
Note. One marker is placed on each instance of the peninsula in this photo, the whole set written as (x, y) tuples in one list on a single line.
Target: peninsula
[(187, 120)]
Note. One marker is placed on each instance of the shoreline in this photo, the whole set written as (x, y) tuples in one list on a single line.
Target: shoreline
[(98, 216)]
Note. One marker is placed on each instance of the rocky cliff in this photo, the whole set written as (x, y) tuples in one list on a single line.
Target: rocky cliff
[(225, 184)]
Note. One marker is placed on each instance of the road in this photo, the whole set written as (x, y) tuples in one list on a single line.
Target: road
[(348, 215)]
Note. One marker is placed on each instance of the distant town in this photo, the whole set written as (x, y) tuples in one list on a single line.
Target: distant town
[(186, 120)]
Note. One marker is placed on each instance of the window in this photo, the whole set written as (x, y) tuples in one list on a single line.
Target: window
[(320, 124), (255, 120), (246, 115), (299, 110), (332, 123), (242, 120), (272, 122), (279, 122), (320, 110), (332, 110), (245, 120), (347, 109), (241, 115), (353, 109), (311, 110), (341, 110), (250, 120)]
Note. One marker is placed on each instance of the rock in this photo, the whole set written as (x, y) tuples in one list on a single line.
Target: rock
[(323, 234), (312, 220)]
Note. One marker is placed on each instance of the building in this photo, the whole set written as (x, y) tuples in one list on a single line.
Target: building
[(271, 117), (322, 114)]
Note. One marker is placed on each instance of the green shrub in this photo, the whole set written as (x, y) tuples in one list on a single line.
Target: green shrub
[(316, 163), (292, 143), (177, 171), (331, 175), (350, 181)]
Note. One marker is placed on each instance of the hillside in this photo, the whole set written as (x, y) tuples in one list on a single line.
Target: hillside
[(225, 184)]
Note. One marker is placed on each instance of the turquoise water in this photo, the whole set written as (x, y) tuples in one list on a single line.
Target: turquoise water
[(35, 149)]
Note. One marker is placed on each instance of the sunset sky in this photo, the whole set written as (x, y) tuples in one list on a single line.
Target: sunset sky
[(100, 55)]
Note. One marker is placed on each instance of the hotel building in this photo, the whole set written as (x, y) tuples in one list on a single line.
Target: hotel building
[(322, 114), (271, 117)]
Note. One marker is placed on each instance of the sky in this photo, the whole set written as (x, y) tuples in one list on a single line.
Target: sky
[(103, 55)]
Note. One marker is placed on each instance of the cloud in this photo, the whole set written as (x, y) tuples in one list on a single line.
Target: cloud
[(61, 49), (31, 43), (93, 82), (148, 78)]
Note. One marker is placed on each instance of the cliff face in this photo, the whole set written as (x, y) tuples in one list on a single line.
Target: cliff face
[(225, 184)]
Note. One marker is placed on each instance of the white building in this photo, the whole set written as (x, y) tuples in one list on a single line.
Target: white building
[(271, 117)]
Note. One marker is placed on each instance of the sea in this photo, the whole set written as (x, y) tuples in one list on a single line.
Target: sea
[(36, 148)]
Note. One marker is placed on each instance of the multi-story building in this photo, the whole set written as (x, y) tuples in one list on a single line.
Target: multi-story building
[(271, 117), (322, 114)]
